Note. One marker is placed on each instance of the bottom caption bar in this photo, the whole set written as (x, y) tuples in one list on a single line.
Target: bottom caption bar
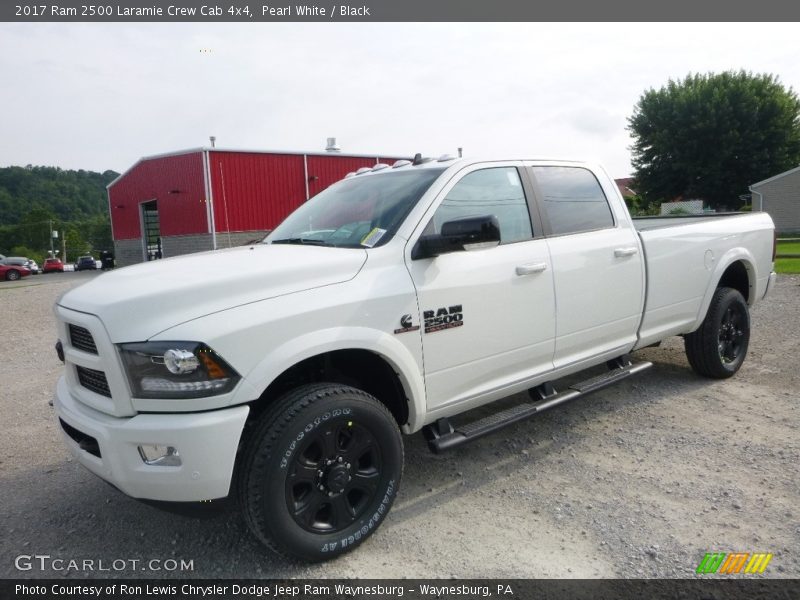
[(318, 589)]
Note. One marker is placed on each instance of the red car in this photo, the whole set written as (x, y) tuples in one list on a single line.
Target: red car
[(13, 272), (52, 264)]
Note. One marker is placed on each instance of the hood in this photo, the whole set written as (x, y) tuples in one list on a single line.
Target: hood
[(137, 302)]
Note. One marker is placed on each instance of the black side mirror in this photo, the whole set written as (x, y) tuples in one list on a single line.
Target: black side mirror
[(469, 233)]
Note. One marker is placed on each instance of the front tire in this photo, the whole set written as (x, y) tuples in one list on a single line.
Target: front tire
[(320, 471), (12, 275), (719, 346)]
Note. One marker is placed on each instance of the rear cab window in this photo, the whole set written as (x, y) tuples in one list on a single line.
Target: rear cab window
[(572, 200)]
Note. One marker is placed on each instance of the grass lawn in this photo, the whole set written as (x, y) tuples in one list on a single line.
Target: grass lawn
[(788, 247), (787, 265)]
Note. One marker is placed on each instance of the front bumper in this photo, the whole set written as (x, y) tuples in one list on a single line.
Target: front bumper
[(207, 443)]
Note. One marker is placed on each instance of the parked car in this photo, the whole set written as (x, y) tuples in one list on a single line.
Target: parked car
[(13, 272), (33, 267), (52, 265), (85, 262), (106, 260), (21, 261)]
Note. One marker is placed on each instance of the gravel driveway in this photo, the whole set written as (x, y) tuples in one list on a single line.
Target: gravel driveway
[(637, 480)]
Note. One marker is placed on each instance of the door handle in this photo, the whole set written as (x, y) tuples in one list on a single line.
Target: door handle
[(620, 252), (531, 268)]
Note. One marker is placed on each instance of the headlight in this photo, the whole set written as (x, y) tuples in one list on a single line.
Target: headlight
[(176, 370)]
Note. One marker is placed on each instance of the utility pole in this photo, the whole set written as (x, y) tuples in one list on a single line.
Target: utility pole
[(51, 237)]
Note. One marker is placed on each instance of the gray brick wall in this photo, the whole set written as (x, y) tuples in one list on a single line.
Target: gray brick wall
[(187, 244), (175, 245), (239, 238), (128, 252), (782, 202)]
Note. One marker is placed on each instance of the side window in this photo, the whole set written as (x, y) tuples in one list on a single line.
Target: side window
[(496, 191), (573, 199)]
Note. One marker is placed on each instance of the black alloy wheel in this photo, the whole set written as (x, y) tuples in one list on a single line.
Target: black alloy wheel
[(334, 477), (718, 347), (319, 471), (731, 334)]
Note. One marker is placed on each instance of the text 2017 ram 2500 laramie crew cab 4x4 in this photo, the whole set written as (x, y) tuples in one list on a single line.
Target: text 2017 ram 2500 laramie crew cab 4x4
[(394, 300)]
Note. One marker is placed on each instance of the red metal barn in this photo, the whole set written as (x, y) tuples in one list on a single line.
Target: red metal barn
[(208, 198)]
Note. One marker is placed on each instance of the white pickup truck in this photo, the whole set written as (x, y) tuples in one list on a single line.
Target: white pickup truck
[(285, 372)]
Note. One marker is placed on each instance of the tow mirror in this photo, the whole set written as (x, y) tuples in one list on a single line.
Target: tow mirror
[(469, 233)]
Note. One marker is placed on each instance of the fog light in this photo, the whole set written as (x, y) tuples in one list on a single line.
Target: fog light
[(160, 456)]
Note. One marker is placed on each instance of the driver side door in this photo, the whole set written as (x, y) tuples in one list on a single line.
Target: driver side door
[(487, 315)]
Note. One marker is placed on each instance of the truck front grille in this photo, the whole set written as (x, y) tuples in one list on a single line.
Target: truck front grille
[(94, 381), (81, 339)]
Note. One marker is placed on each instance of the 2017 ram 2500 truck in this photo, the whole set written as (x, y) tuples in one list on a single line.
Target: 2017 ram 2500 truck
[(390, 302)]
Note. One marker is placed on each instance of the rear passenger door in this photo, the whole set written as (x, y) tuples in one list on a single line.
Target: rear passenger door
[(597, 265)]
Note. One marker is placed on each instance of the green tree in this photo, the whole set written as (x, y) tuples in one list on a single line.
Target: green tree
[(640, 206), (34, 228), (75, 244), (98, 233), (711, 136), (30, 197), (70, 195), (28, 253)]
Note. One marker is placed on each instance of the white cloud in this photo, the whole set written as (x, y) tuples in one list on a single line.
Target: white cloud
[(100, 96)]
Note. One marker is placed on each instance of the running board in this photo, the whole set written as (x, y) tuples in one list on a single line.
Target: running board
[(442, 436)]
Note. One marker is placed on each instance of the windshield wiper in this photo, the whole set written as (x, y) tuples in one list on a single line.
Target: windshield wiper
[(299, 240)]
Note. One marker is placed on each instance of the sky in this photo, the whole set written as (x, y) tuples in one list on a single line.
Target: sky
[(100, 96)]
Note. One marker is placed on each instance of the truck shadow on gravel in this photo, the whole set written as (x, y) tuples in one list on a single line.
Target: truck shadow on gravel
[(430, 480), (74, 515)]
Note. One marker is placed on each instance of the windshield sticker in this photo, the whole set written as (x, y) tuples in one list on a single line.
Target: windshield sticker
[(443, 318), (373, 237)]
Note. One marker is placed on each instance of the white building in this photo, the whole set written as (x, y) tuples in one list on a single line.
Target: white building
[(780, 197)]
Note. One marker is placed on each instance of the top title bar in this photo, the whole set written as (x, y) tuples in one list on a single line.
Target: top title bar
[(276, 11)]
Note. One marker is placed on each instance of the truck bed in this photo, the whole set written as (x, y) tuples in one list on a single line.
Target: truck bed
[(684, 255)]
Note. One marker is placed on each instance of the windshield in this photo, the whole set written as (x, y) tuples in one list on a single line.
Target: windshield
[(358, 212)]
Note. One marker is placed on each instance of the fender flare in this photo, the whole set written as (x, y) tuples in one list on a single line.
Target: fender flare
[(385, 346), (732, 256)]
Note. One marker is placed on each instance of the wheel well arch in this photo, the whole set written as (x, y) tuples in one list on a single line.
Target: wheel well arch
[(362, 369), (738, 275)]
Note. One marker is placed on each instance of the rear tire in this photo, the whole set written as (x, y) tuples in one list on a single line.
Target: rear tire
[(320, 471), (719, 346), (12, 275)]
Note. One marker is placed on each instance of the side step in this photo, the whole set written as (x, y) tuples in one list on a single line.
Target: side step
[(442, 436)]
